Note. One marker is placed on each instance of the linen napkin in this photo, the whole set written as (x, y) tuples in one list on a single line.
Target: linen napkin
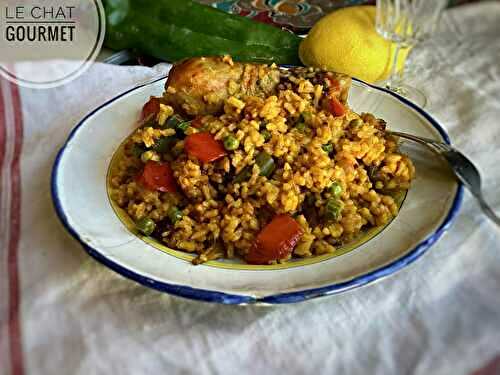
[(63, 313)]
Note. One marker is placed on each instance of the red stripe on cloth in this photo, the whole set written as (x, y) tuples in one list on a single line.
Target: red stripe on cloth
[(2, 131), (491, 368), (3, 300), (16, 355)]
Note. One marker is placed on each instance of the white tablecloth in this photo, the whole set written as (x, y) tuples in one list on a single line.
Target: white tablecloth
[(63, 313)]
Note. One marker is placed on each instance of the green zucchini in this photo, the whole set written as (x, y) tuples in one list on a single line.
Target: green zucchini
[(175, 29)]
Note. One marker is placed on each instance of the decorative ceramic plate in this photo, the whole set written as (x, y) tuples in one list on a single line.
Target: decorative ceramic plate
[(295, 15), (80, 193)]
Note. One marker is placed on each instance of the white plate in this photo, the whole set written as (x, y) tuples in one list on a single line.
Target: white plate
[(81, 201)]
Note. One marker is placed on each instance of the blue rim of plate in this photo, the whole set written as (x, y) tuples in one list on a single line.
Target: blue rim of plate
[(280, 298)]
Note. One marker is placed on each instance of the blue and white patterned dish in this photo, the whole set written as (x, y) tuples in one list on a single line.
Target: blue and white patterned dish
[(80, 197)]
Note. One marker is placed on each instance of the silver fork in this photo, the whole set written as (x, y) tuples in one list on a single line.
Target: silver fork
[(462, 168)]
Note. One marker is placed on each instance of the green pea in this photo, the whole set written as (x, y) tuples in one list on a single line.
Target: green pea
[(301, 127), (356, 123), (174, 214), (335, 189), (333, 209), (231, 143), (145, 226), (327, 147), (266, 134), (306, 116)]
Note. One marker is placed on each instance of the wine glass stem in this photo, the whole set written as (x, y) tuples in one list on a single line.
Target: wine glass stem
[(395, 77)]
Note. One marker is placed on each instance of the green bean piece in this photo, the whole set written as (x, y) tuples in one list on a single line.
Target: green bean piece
[(174, 214), (327, 147), (183, 126), (265, 163), (333, 209), (145, 226), (266, 134), (174, 121), (163, 144), (137, 150), (266, 166), (179, 124), (310, 199), (335, 189), (231, 143), (244, 175), (373, 173), (176, 151)]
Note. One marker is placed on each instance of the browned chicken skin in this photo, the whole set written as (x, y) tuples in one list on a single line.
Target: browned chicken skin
[(199, 86)]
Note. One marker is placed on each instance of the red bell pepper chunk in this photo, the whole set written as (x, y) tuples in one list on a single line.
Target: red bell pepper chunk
[(336, 107), (204, 147), (334, 84), (151, 108), (275, 241), (158, 176)]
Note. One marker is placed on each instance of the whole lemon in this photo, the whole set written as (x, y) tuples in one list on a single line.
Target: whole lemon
[(346, 41)]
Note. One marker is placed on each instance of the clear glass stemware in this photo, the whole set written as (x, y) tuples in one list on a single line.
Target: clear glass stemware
[(406, 23)]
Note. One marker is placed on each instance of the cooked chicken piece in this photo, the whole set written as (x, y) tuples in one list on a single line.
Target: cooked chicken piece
[(199, 86)]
